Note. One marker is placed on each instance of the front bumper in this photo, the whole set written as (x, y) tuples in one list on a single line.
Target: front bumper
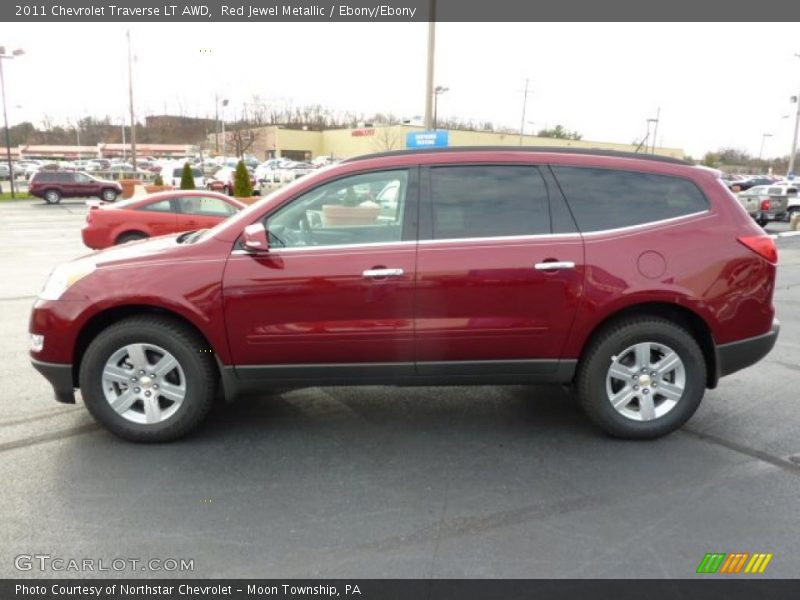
[(738, 355), (60, 377)]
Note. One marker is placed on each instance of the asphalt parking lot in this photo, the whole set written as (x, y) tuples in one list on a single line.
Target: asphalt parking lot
[(394, 482)]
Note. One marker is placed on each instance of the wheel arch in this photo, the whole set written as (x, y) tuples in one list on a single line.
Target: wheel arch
[(676, 313), (100, 321), (125, 231)]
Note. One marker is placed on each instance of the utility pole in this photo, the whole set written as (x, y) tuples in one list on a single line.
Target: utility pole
[(216, 124), (428, 123), (793, 155), (524, 108), (124, 151), (3, 55), (130, 100), (655, 130)]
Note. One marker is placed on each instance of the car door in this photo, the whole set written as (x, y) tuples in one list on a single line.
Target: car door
[(84, 185), (497, 285), (68, 184), (334, 294), (159, 217)]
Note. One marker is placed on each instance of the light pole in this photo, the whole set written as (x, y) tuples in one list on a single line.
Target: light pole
[(764, 136), (655, 129), (796, 129), (430, 65), (3, 55), (438, 91), (224, 141), (130, 101), (524, 109)]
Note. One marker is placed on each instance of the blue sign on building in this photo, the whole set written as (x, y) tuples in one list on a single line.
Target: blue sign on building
[(426, 139)]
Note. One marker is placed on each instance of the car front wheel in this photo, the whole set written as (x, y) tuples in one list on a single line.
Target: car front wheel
[(148, 379), (641, 378)]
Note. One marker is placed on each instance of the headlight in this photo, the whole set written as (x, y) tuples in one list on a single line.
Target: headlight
[(63, 277)]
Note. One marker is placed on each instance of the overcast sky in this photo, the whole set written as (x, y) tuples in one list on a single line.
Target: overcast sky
[(716, 84)]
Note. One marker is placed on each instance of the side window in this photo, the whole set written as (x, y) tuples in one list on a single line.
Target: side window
[(159, 206), (81, 178), (608, 199), (488, 201), (367, 208), (206, 206), (64, 177)]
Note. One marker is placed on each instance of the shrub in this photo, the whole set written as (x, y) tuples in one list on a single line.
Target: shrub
[(242, 185), (187, 179), (158, 180)]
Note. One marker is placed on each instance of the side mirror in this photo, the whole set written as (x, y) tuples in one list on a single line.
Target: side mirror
[(255, 239)]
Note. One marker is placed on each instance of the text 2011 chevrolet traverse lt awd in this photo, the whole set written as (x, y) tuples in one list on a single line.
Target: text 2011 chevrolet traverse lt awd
[(640, 280)]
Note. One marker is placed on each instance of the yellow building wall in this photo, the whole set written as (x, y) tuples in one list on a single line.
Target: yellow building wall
[(342, 143)]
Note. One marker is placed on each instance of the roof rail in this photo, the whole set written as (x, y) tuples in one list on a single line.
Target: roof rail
[(529, 149)]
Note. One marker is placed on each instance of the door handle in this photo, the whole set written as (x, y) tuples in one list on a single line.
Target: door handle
[(554, 265), (377, 273)]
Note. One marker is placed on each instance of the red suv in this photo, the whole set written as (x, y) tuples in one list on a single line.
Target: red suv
[(54, 185), (640, 280)]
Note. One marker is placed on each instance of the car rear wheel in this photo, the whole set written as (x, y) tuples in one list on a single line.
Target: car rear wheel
[(109, 195), (52, 196), (641, 378), (148, 379), (790, 212), (130, 236)]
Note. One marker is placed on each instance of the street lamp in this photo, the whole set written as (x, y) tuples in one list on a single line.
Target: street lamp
[(438, 91), (224, 141), (3, 55), (764, 136), (796, 100)]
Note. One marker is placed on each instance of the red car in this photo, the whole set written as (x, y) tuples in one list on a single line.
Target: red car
[(223, 180), (638, 279), (158, 214)]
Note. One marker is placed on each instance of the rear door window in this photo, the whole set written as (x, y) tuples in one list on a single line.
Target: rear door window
[(603, 199), (488, 201)]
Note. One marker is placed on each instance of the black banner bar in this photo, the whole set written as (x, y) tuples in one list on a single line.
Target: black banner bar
[(703, 587), (391, 10)]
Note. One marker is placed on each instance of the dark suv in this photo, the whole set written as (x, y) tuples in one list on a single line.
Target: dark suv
[(639, 280), (54, 185)]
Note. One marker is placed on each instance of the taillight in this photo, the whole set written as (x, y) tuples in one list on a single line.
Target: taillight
[(765, 204), (762, 245)]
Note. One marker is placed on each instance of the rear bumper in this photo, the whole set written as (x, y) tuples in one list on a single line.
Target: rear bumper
[(60, 377), (743, 353)]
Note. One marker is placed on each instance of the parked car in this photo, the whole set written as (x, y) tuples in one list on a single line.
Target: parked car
[(55, 185), (154, 215), (750, 182), (638, 279), (5, 171), (223, 180), (173, 173), (767, 203)]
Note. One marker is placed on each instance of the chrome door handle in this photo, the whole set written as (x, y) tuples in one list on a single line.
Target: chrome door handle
[(375, 273), (552, 266)]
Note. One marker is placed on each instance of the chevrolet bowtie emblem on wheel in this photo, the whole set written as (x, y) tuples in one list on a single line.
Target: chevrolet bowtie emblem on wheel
[(737, 562)]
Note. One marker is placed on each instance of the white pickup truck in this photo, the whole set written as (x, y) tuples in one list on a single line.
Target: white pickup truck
[(766, 203)]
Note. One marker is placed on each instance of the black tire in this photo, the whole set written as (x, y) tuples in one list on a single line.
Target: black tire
[(790, 212), (761, 222), (108, 195), (52, 196), (615, 339), (178, 339), (130, 236)]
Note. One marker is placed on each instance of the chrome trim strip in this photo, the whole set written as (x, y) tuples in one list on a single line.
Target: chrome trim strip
[(506, 238)]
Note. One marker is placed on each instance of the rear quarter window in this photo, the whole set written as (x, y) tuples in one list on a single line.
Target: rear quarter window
[(603, 199)]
